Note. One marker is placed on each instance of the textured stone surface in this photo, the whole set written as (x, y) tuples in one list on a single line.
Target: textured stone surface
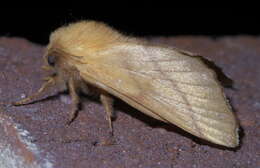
[(35, 135)]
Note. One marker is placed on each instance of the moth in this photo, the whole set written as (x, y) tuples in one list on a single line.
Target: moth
[(168, 84)]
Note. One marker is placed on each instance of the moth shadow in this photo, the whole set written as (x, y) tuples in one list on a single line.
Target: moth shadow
[(225, 80), (122, 106)]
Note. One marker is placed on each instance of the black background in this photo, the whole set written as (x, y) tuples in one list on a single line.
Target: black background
[(36, 24)]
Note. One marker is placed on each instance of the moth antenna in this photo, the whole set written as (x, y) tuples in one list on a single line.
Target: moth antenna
[(47, 68), (50, 81)]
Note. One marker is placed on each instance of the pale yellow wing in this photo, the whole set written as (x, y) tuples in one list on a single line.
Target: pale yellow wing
[(166, 84)]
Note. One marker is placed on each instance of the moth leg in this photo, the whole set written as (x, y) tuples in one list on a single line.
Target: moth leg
[(107, 102), (75, 101), (49, 81)]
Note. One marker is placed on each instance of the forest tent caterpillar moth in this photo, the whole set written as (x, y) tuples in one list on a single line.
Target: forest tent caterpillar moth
[(165, 83)]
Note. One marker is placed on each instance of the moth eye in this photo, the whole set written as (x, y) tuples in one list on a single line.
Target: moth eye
[(51, 60)]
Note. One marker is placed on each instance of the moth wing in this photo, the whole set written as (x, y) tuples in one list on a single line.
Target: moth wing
[(168, 85)]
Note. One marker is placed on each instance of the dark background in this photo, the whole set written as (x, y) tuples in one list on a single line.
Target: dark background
[(36, 24)]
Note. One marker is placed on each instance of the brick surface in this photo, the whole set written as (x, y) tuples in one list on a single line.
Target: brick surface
[(35, 135)]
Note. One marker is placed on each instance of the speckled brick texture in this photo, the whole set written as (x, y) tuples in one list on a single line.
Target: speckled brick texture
[(35, 135)]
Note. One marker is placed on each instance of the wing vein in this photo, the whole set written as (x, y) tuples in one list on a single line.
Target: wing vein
[(196, 126), (171, 80), (199, 107), (157, 70), (185, 83)]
